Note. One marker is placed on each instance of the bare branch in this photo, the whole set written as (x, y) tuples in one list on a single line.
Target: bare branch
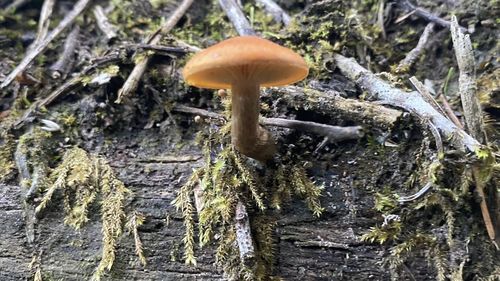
[(102, 22), (411, 101), (132, 81), (244, 235), (334, 133), (78, 8), (472, 112), (422, 13), (413, 55), (467, 82), (236, 17), (63, 63), (276, 11), (43, 22)]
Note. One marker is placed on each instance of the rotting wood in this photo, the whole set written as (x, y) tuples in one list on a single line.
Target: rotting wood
[(472, 113)]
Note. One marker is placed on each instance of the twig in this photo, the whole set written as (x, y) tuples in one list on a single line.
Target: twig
[(78, 8), (43, 22), (21, 160), (411, 101), (15, 5), (159, 48), (276, 11), (334, 133), (188, 47), (426, 95), (467, 82), (412, 56), (442, 97), (102, 22), (331, 103), (62, 65), (132, 81), (405, 4), (472, 111), (243, 235), (236, 17)]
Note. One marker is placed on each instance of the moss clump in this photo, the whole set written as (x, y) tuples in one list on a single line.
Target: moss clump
[(7, 147), (217, 187), (83, 180)]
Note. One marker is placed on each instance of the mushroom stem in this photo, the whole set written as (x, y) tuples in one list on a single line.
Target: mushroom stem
[(247, 136)]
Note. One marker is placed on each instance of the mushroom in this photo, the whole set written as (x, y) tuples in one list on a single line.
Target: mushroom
[(244, 64)]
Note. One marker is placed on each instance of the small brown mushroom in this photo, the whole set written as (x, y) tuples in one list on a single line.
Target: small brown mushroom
[(244, 64)]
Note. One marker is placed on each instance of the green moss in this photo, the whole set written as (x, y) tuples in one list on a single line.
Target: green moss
[(83, 179), (219, 185), (7, 147)]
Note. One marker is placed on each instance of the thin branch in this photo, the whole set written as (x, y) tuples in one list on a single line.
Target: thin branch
[(244, 235), (426, 95), (422, 13), (472, 112), (411, 101), (467, 82), (331, 103), (15, 5), (334, 133), (43, 22), (413, 55), (133, 79), (63, 63), (103, 23), (275, 11), (236, 17), (78, 8)]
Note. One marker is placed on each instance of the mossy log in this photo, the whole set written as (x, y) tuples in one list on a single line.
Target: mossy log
[(328, 248)]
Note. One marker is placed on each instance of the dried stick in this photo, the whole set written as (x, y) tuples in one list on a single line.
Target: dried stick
[(422, 13), (276, 11), (102, 22), (43, 22), (472, 111), (15, 5), (132, 81), (334, 133), (236, 17), (412, 56), (78, 8), (62, 65), (21, 160), (331, 103), (410, 101), (467, 82), (426, 95), (244, 235)]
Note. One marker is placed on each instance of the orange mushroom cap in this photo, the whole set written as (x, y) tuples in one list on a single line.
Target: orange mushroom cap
[(245, 58)]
